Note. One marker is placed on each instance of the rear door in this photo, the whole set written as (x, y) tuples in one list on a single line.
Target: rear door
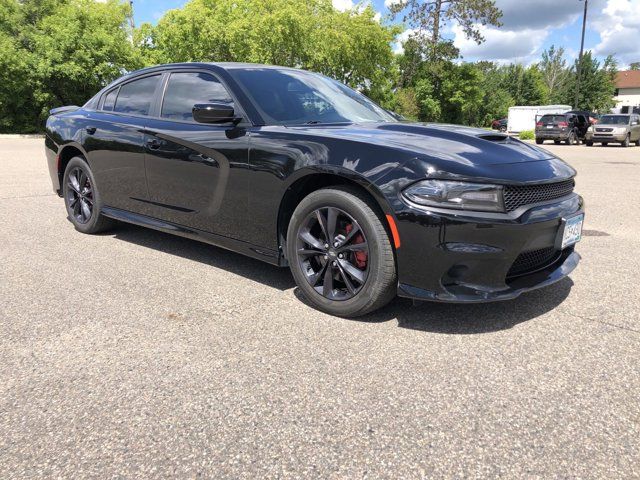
[(635, 127), (196, 172), (114, 141), (552, 124)]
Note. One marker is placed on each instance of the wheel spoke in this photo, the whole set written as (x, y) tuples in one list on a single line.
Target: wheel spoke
[(354, 247), (76, 208), (327, 282), (323, 225), (73, 202), (345, 279), (353, 272), (308, 252), (313, 279), (306, 236), (74, 184), (354, 229), (332, 217), (86, 212), (82, 179)]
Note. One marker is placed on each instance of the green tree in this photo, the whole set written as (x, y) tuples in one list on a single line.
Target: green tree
[(525, 85), (58, 52), (597, 84), (555, 73), (350, 46)]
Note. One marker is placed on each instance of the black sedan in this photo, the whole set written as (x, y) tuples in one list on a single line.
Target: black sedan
[(296, 169)]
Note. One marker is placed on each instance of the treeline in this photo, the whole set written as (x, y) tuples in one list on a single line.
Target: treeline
[(60, 52)]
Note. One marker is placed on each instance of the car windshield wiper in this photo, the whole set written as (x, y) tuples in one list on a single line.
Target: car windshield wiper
[(312, 122)]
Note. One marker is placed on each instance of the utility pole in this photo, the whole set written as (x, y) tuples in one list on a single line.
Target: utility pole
[(584, 23), (133, 25)]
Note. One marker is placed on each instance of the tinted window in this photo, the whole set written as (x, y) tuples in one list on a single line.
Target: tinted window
[(136, 97), (553, 118), (184, 90), (290, 97), (110, 100)]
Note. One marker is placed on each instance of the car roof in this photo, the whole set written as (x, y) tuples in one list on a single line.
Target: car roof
[(223, 65)]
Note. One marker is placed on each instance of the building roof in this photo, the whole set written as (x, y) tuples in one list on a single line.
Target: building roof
[(628, 79)]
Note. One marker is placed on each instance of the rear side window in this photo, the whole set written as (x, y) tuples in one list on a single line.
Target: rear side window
[(553, 118), (110, 100), (136, 97), (185, 89)]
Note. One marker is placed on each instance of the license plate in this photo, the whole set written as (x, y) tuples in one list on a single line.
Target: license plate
[(549, 126), (572, 230)]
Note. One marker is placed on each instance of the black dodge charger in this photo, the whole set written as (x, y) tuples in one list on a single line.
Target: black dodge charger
[(296, 169)]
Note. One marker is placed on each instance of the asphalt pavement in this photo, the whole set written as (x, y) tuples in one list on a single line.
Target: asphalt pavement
[(136, 354)]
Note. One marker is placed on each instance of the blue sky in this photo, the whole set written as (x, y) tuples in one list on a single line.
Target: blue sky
[(530, 26)]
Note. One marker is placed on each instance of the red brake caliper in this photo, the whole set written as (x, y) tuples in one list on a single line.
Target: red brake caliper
[(361, 257)]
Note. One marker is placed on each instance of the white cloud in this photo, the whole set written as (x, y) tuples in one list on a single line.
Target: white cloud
[(501, 45), (619, 29), (390, 3), (400, 39), (342, 5), (377, 17)]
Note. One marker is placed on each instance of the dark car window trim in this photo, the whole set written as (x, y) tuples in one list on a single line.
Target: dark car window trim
[(238, 109), (103, 97)]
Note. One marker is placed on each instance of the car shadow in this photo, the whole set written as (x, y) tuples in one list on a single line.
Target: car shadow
[(468, 319), (445, 318)]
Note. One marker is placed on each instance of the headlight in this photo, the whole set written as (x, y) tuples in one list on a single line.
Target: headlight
[(459, 195), (619, 130)]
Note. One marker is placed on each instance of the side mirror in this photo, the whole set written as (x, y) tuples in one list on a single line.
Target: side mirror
[(213, 113)]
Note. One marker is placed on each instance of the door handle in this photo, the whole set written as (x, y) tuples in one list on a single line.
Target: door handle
[(91, 130), (153, 144)]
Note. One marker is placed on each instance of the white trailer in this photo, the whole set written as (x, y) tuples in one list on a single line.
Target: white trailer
[(524, 118)]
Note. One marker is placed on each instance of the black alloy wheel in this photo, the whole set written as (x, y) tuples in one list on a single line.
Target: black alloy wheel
[(333, 252), (82, 199), (80, 195), (340, 252)]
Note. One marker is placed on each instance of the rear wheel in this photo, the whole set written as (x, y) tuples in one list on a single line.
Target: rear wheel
[(571, 139), (557, 142), (340, 254), (539, 141), (588, 143), (82, 199), (627, 141), (604, 144)]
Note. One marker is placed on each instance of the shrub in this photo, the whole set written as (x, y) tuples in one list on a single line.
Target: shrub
[(527, 135)]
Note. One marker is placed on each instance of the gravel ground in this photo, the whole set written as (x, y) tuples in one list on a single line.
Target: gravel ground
[(136, 354)]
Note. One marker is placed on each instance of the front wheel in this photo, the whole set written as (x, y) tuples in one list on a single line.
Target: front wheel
[(340, 254), (627, 141), (571, 139), (539, 141), (82, 199), (588, 143)]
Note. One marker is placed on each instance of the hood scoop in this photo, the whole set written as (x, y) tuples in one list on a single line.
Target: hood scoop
[(494, 137)]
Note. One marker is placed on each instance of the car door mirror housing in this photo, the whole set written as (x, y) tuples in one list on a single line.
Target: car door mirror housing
[(214, 113)]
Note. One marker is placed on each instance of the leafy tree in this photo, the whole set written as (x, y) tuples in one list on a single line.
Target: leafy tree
[(554, 73), (350, 46), (597, 84), (525, 85), (428, 17), (58, 52), (634, 66)]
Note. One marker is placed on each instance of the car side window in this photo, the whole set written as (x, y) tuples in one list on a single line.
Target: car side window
[(185, 89), (110, 100), (135, 97)]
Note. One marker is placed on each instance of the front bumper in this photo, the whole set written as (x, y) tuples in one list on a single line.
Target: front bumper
[(468, 257), (606, 137)]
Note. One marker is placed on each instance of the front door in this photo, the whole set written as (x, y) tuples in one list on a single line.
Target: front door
[(196, 173)]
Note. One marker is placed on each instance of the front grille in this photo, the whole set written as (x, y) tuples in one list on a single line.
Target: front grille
[(518, 195), (528, 262), (604, 129)]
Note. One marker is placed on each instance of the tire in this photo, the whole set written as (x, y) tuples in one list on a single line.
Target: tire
[(78, 174), (502, 129), (626, 142), (557, 142), (638, 142), (309, 264), (588, 143), (571, 139), (604, 144), (539, 141)]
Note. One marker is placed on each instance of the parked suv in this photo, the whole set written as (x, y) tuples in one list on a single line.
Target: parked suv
[(564, 127), (622, 129)]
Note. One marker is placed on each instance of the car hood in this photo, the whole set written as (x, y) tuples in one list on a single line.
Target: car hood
[(611, 125), (452, 151), (472, 146)]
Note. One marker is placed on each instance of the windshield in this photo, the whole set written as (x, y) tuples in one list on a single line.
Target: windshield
[(295, 97), (615, 119)]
